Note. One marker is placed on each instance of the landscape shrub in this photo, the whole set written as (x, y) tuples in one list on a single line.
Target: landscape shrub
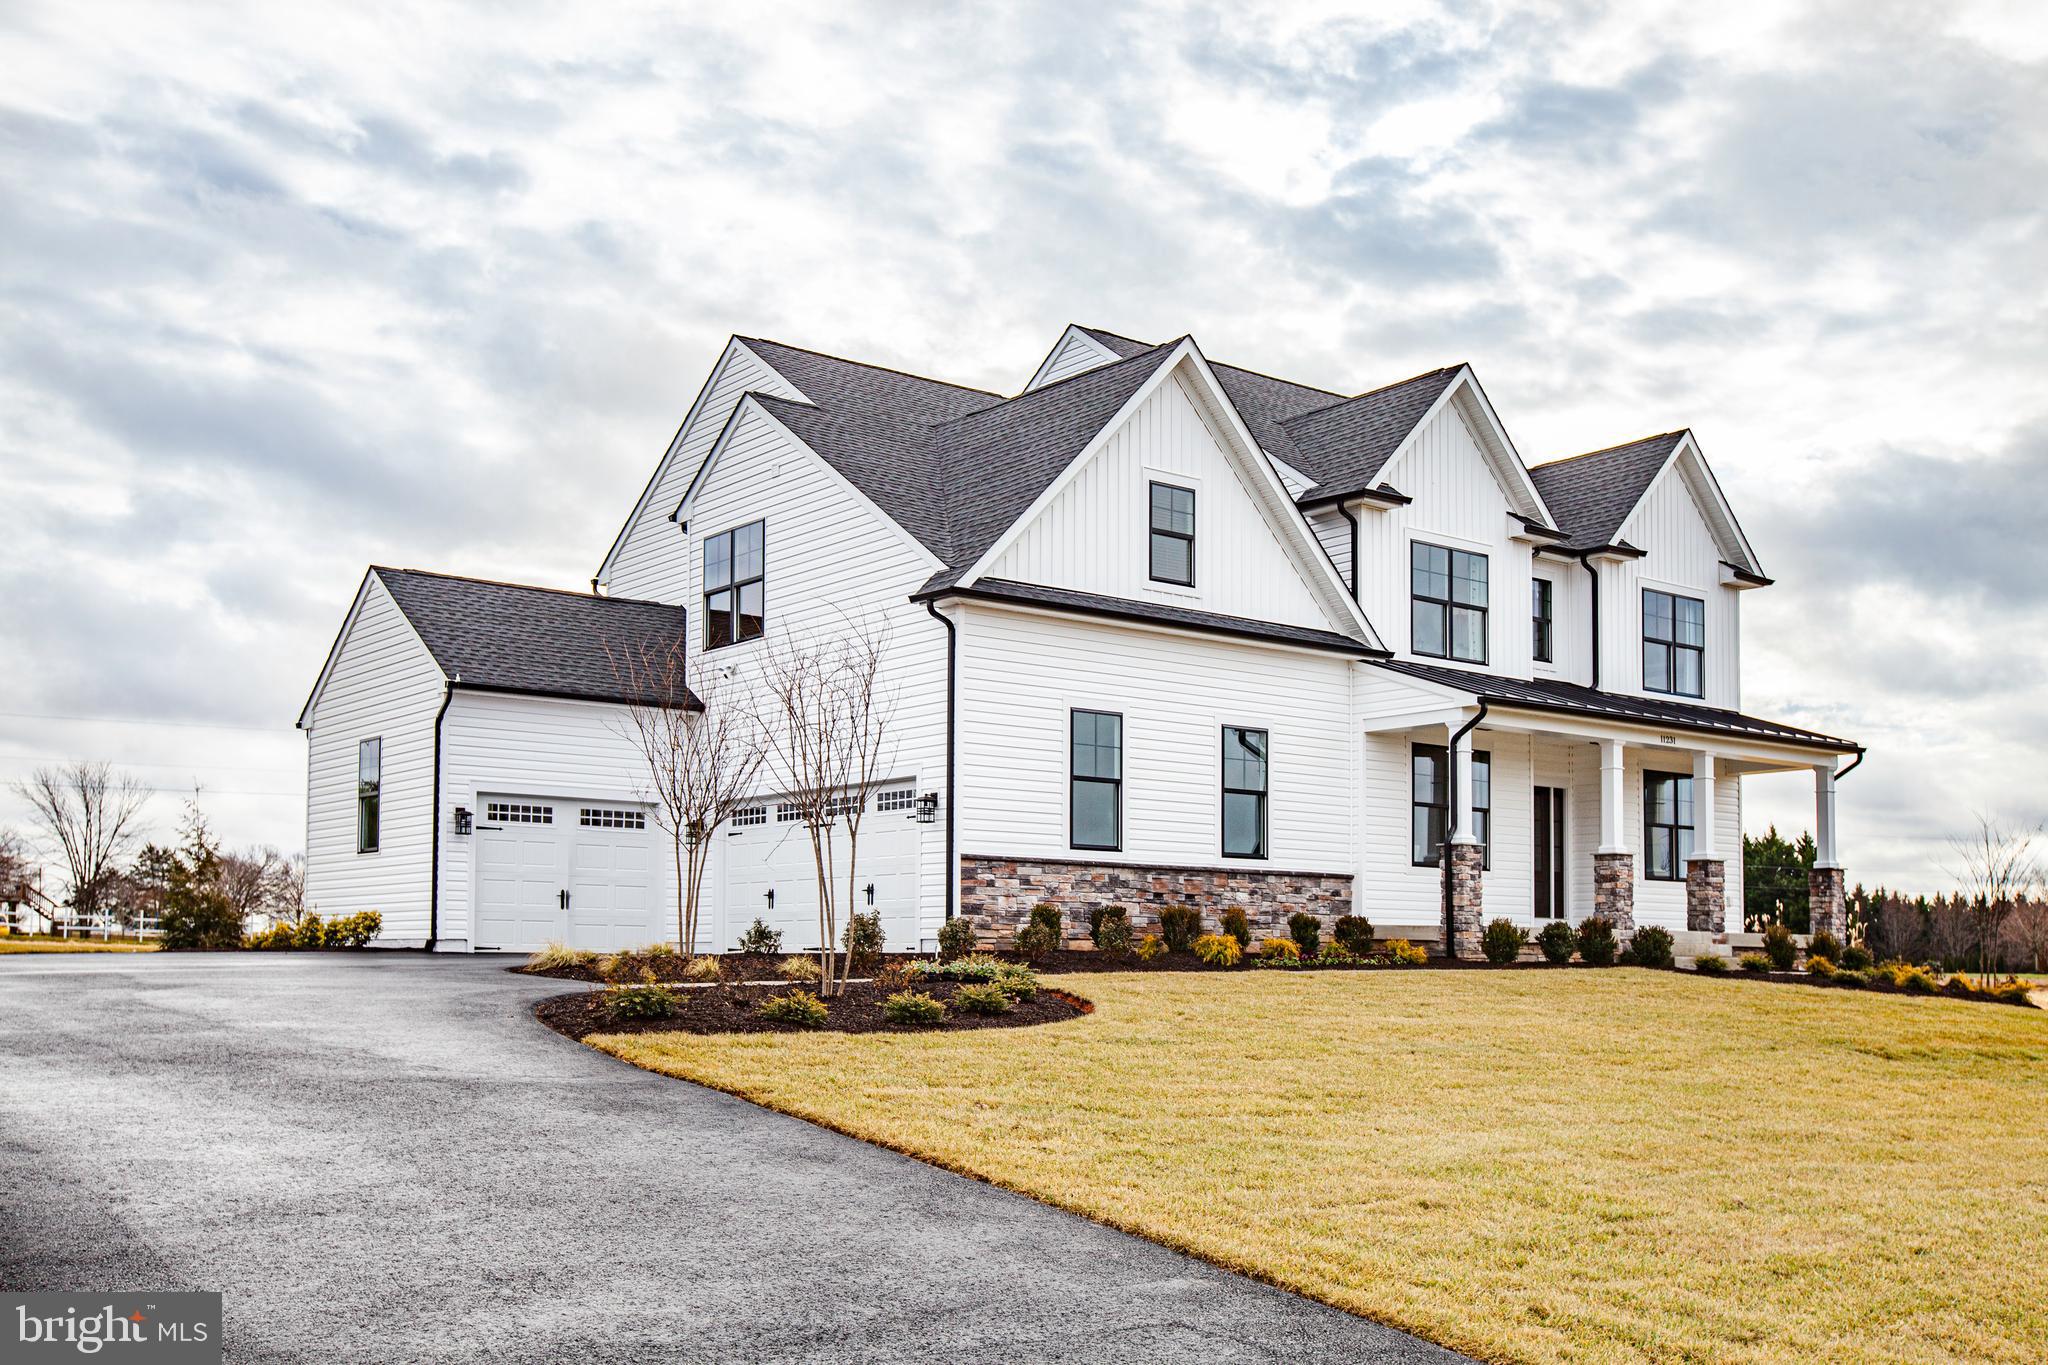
[(2012, 991), (1959, 986), (1910, 979), (1237, 926), (1753, 962), (1015, 980), (1150, 948), (1280, 948), (1856, 958), (1333, 956), (914, 1008), (617, 967), (703, 967), (1780, 947), (1402, 953), (552, 957), (1110, 927), (1180, 926), (799, 1009), (1352, 933), (199, 917), (956, 938), (1824, 944), (1502, 942), (1558, 942), (1596, 941), (1819, 968), (351, 931), (1218, 950), (897, 976), (662, 949), (983, 998), (309, 932), (1306, 931), (280, 936), (761, 939), (644, 1001), (1650, 946), (863, 942), (799, 969), (1850, 977), (978, 967), (1040, 936), (1710, 964)]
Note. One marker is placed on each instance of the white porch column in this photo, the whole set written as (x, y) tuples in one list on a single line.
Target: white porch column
[(1613, 839), (1461, 807), (1824, 815), (1703, 836)]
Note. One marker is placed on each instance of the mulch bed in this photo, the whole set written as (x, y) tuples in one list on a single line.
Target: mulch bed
[(731, 1009), (669, 966)]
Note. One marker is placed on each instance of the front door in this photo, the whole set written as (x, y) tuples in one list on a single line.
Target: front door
[(1550, 903)]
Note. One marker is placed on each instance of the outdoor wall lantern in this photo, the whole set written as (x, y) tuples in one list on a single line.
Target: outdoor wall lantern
[(462, 820), (927, 808)]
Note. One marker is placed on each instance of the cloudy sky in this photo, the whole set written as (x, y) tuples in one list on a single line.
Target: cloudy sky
[(432, 286)]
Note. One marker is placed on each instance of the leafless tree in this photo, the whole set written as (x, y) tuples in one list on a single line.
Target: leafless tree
[(826, 737), (1997, 867), (93, 816), (287, 897), (262, 880), (701, 763), (2026, 935), (15, 865)]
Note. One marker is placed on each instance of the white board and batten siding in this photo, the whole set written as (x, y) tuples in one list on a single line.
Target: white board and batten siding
[(383, 685), (1681, 556), (1023, 673), (1093, 536)]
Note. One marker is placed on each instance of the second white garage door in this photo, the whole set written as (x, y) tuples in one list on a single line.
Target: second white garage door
[(770, 873), (574, 872)]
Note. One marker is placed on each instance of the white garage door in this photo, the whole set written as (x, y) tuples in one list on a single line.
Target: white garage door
[(575, 872), (770, 873)]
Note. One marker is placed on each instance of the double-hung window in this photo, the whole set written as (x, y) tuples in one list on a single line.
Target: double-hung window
[(1667, 825), (1095, 780), (735, 564), (1173, 535), (369, 794), (1448, 613), (1541, 617), (1674, 643), (1244, 792), (1431, 804)]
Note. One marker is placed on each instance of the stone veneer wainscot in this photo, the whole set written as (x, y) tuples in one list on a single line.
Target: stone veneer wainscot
[(998, 894)]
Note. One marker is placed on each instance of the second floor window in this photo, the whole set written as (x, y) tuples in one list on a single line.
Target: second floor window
[(1095, 780), (1667, 826), (369, 794), (1674, 643), (1448, 620), (1429, 824), (1173, 535), (1244, 793), (1540, 628), (735, 564)]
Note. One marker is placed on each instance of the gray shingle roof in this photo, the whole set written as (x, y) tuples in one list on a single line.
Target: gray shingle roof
[(1591, 495), (1127, 609), (505, 637), (1345, 446), (1544, 694)]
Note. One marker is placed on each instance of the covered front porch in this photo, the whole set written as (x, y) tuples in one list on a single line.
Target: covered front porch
[(1544, 802)]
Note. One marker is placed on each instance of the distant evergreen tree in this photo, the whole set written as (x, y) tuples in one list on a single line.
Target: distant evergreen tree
[(1774, 885)]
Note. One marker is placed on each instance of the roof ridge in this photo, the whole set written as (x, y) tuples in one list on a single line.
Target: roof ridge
[(1272, 378), (870, 365), (1369, 393), (1095, 373), (577, 593), (1608, 450)]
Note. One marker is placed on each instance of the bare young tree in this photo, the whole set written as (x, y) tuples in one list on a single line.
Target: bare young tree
[(1997, 867), (262, 880), (701, 761), (2026, 934), (93, 816)]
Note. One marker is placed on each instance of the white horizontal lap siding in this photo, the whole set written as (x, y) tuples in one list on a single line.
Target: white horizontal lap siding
[(1021, 677), (651, 561), (1095, 536), (1334, 534), (1680, 556), (1075, 354), (505, 745), (384, 685), (833, 562), (1457, 503)]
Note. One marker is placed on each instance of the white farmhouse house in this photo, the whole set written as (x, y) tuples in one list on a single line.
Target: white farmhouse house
[(1159, 631)]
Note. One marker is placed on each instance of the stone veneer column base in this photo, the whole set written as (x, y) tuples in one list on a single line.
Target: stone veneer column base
[(1614, 890), (998, 893), (1830, 909), (1706, 896), (1468, 899)]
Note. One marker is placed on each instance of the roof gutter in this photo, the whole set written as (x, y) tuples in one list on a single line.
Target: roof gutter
[(952, 692), (434, 871), (1451, 790)]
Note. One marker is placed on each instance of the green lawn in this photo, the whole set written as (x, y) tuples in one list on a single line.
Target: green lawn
[(1527, 1166)]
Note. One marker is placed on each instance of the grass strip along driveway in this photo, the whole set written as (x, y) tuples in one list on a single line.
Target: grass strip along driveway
[(1539, 1166)]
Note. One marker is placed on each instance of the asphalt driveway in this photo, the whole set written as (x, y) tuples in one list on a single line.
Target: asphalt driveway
[(385, 1158)]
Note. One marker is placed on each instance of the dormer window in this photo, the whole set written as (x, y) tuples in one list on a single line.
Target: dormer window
[(735, 565), (1448, 613), (1674, 643), (1173, 535)]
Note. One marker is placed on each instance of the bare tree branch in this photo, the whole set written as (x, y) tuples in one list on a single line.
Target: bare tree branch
[(93, 816), (1998, 868)]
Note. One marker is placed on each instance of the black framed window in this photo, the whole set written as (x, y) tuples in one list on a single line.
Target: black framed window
[(1244, 792), (1173, 534), (1431, 803), (1448, 612), (1667, 826), (1674, 643), (735, 567), (1095, 780), (1540, 619), (369, 794)]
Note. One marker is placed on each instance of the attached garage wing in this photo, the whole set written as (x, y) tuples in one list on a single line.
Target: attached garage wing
[(769, 872), (565, 871)]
